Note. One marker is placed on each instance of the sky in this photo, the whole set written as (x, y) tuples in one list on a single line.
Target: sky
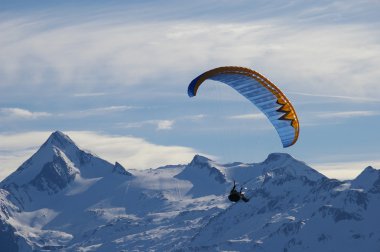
[(113, 75)]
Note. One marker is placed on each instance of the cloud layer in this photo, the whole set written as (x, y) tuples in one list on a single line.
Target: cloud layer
[(345, 170), (131, 152), (339, 58), (135, 153)]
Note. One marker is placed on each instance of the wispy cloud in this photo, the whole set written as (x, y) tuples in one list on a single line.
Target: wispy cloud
[(131, 152), (348, 114), (103, 110), (159, 124), (165, 124), (107, 51), (81, 95), (24, 114), (351, 98), (19, 113), (257, 116), (96, 111), (193, 117)]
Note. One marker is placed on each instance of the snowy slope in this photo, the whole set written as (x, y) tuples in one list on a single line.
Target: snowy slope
[(63, 198), (297, 209), (53, 186), (205, 177)]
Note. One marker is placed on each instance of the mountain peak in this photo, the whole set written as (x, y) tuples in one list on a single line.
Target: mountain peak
[(118, 168), (278, 157), (369, 169), (367, 178), (58, 159), (58, 133), (59, 140), (198, 159), (283, 163), (203, 173), (367, 174)]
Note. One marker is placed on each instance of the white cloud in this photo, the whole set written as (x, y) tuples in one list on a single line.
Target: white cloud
[(340, 58), (159, 124), (17, 148), (351, 98), (98, 111), (135, 153), (248, 116), (348, 114), (131, 152), (165, 124), (18, 113), (193, 117), (345, 170)]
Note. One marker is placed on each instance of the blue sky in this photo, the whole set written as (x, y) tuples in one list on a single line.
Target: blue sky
[(114, 74)]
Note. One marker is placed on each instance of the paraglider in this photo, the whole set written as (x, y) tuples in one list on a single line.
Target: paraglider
[(235, 196), (259, 91)]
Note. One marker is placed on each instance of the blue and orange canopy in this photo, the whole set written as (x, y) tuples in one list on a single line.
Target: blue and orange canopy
[(261, 92)]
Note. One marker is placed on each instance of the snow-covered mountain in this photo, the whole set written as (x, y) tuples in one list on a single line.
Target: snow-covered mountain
[(66, 199)]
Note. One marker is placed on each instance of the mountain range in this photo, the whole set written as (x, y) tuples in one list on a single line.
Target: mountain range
[(66, 199)]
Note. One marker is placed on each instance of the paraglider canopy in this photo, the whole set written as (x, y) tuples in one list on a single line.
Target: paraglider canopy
[(261, 92)]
